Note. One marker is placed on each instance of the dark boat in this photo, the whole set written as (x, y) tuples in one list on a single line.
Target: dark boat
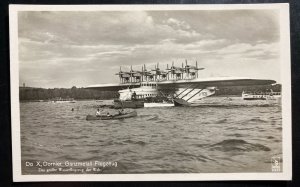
[(128, 104), (112, 117)]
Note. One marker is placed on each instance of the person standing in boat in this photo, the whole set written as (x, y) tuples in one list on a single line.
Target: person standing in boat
[(121, 112), (134, 96), (98, 113)]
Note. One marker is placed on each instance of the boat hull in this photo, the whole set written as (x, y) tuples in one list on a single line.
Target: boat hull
[(150, 105), (260, 97), (128, 104), (180, 102), (257, 98), (113, 117)]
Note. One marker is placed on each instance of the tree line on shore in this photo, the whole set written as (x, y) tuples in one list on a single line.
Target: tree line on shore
[(237, 90), (31, 94)]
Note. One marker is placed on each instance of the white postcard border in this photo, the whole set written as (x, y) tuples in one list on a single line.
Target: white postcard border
[(286, 97)]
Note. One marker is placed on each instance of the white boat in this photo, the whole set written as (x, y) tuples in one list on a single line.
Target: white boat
[(63, 100), (158, 105), (261, 95)]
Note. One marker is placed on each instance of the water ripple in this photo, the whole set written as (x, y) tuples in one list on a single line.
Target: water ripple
[(213, 137)]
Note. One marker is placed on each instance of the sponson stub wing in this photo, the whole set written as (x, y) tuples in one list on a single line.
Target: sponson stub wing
[(213, 82), (113, 87)]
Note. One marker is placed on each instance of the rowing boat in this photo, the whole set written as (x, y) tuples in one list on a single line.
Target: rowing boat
[(112, 117)]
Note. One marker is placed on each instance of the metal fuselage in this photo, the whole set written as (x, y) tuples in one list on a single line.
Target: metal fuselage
[(151, 90)]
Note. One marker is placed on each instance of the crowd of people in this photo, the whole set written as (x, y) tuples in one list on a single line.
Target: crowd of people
[(100, 113)]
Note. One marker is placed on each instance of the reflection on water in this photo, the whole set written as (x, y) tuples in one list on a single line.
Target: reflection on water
[(226, 136)]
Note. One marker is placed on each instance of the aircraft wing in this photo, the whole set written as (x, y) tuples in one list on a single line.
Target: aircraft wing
[(214, 82), (113, 87), (195, 83)]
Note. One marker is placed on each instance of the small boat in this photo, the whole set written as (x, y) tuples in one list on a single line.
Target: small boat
[(261, 95), (63, 100), (112, 117)]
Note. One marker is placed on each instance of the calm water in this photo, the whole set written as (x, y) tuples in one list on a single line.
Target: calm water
[(220, 136)]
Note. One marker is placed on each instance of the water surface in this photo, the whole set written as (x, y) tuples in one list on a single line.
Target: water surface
[(221, 135)]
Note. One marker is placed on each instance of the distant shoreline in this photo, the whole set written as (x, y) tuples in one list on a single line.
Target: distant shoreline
[(49, 101), (45, 101), (30, 94)]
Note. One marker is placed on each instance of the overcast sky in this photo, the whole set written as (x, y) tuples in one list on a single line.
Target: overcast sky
[(65, 49)]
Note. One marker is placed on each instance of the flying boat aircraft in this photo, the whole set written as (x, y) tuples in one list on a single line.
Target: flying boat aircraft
[(181, 84)]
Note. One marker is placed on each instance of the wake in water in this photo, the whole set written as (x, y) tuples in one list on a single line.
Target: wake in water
[(238, 145)]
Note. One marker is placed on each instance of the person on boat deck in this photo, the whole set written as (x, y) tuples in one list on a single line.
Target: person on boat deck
[(121, 112), (108, 114), (98, 113), (134, 95)]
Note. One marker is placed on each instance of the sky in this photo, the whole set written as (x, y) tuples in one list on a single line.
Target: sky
[(63, 49)]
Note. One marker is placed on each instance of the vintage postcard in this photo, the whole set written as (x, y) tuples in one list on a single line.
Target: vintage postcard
[(150, 92)]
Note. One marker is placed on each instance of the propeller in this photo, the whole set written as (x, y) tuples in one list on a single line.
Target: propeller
[(142, 73), (192, 70), (187, 68), (137, 75), (131, 73), (123, 74), (156, 67), (120, 74), (197, 69), (158, 72), (178, 72), (147, 73)]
